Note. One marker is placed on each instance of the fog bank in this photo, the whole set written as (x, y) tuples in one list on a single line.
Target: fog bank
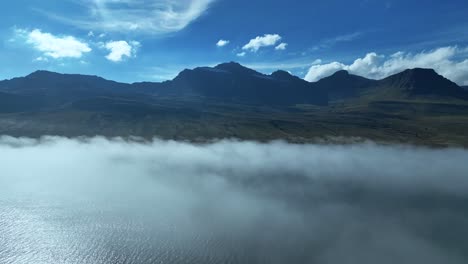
[(230, 202)]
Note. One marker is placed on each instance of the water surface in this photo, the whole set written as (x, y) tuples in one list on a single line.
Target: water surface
[(114, 201)]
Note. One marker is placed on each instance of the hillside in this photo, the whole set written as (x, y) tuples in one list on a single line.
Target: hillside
[(229, 100)]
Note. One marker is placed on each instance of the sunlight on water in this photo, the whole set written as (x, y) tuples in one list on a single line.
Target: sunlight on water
[(111, 201)]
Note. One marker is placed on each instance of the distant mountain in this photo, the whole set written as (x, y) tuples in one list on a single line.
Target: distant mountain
[(409, 84), (233, 82), (418, 82), (230, 100), (54, 89), (41, 82), (224, 83), (464, 87), (343, 85)]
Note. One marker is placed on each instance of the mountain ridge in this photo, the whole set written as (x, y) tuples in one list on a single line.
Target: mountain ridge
[(233, 82), (233, 101), (219, 66)]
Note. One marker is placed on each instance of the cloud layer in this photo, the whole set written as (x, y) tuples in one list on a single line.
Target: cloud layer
[(451, 62), (89, 200)]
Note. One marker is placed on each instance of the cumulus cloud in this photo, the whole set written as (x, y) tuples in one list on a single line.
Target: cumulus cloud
[(240, 202), (52, 46), (262, 41), (120, 49), (222, 43), (451, 62), (281, 46), (149, 17)]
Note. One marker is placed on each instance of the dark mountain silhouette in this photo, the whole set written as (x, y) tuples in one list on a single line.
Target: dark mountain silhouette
[(412, 83), (41, 82), (230, 100), (342, 85), (224, 83), (464, 87), (52, 89), (232, 82)]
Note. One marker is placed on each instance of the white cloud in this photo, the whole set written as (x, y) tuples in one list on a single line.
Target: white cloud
[(120, 49), (54, 46), (259, 42), (241, 54), (222, 43), (90, 34), (317, 72), (41, 59), (451, 62), (149, 17), (281, 46)]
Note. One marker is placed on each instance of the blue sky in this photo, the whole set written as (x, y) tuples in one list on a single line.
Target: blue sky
[(152, 40)]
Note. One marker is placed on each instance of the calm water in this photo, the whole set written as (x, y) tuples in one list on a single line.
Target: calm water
[(52, 229), (99, 201)]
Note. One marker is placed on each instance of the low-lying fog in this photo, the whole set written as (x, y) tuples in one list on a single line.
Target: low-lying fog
[(115, 201)]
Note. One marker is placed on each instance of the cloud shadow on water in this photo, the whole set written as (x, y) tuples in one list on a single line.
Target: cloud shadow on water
[(96, 200)]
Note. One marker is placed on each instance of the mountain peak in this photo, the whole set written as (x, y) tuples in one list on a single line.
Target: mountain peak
[(236, 68), (40, 73), (420, 73), (412, 76), (280, 74), (229, 65), (342, 84), (341, 73), (423, 81), (343, 76)]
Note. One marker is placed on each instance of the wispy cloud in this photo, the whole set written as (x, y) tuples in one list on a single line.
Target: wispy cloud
[(241, 54), (149, 17), (327, 43)]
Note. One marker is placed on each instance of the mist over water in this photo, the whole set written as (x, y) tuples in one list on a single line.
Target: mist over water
[(105, 201)]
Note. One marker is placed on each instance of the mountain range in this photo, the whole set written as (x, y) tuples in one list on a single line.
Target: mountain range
[(230, 100)]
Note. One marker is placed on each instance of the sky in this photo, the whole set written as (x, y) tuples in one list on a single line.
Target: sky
[(153, 40)]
